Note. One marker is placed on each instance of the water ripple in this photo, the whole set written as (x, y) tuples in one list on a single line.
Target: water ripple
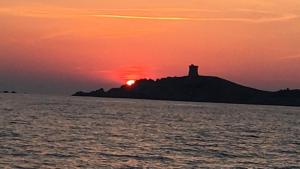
[(66, 132)]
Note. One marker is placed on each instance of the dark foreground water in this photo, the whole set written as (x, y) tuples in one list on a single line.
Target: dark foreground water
[(73, 132)]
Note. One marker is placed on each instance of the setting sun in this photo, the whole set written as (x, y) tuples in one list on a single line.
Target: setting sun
[(130, 82)]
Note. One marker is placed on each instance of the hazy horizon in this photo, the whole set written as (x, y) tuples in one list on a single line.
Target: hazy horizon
[(62, 46)]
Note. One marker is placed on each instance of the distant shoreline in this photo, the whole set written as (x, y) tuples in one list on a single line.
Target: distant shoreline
[(227, 103)]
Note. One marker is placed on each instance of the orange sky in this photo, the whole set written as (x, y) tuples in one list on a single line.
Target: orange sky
[(67, 45)]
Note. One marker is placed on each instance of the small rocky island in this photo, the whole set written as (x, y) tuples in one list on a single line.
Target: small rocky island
[(13, 92), (198, 88)]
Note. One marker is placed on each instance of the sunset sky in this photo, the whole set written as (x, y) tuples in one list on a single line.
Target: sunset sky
[(61, 46)]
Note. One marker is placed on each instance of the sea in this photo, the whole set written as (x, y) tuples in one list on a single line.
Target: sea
[(64, 132)]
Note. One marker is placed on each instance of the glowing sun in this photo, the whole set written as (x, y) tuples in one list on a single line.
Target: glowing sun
[(130, 82)]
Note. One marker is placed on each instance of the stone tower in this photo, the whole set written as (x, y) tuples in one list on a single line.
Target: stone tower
[(193, 71)]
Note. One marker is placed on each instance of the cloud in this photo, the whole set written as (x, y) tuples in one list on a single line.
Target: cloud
[(111, 13), (56, 34), (230, 19), (253, 11), (163, 9), (141, 17), (296, 56)]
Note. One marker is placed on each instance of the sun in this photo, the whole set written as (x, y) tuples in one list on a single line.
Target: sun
[(130, 82)]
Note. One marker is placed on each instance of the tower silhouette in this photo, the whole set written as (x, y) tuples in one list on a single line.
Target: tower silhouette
[(193, 71)]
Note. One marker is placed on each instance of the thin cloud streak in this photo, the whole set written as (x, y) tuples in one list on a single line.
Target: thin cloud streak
[(296, 56), (56, 34), (71, 13), (256, 20), (11, 9), (253, 11), (163, 9), (141, 17)]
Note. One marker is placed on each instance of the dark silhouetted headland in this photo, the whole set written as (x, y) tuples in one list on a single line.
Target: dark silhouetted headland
[(13, 92), (198, 89)]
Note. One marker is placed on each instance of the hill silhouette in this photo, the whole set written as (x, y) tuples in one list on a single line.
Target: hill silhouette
[(198, 89)]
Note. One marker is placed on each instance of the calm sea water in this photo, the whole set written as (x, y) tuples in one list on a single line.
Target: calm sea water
[(73, 132)]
